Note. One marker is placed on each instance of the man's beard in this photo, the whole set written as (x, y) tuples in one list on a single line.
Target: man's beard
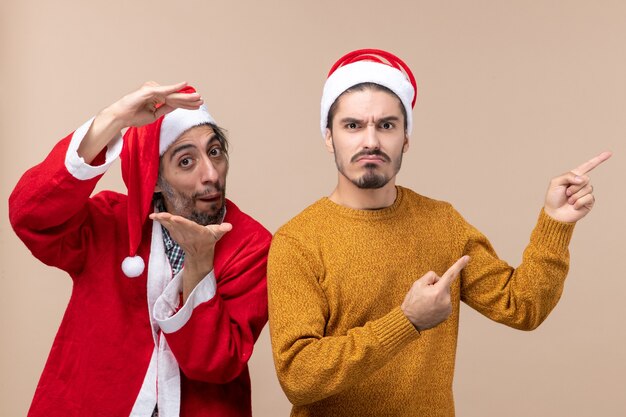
[(182, 204), (371, 179)]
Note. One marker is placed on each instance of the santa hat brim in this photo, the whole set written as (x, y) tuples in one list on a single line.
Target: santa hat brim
[(366, 72), (179, 121)]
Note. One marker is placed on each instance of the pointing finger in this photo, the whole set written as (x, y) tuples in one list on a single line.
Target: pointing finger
[(453, 272), (592, 163)]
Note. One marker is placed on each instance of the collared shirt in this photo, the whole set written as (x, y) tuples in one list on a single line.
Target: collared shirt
[(175, 253)]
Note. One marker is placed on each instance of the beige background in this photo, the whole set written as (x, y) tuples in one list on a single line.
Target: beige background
[(511, 94)]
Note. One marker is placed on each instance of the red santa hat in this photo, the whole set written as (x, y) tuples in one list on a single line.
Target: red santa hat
[(369, 66), (140, 157)]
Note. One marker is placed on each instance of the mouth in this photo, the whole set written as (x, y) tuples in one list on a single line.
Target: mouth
[(371, 157), (209, 198)]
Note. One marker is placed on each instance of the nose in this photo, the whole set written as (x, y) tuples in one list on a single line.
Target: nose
[(371, 140), (208, 173)]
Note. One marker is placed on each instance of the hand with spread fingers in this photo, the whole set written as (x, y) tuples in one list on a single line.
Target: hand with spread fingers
[(198, 243), (570, 196), (428, 302)]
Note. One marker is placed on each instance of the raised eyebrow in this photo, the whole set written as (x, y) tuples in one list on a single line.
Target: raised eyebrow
[(212, 140), (179, 149)]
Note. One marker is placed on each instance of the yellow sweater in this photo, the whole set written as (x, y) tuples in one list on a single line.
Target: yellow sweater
[(336, 279)]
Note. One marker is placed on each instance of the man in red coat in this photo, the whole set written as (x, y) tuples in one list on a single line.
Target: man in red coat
[(169, 281)]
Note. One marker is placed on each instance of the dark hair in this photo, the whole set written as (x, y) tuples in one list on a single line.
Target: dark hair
[(220, 134), (362, 87)]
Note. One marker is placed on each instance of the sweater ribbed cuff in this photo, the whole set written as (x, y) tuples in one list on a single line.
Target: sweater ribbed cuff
[(394, 330), (552, 234)]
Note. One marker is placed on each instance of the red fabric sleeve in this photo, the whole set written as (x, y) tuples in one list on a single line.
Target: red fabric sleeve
[(50, 211)]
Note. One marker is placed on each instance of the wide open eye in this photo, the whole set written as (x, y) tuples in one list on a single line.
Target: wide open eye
[(216, 152), (185, 162)]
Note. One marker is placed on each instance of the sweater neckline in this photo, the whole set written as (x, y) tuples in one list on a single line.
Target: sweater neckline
[(381, 213)]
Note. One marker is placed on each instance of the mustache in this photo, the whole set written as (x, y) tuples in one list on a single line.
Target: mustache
[(370, 152)]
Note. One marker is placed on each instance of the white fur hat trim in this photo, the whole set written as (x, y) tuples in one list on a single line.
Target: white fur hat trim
[(179, 121), (367, 72)]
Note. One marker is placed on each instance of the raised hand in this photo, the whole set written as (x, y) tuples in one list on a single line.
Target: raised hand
[(198, 243), (141, 107), (152, 101), (428, 301), (570, 196)]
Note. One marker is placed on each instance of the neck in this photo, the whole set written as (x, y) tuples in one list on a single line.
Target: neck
[(349, 195)]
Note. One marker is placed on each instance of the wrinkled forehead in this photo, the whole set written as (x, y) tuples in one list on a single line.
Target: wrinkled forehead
[(367, 100)]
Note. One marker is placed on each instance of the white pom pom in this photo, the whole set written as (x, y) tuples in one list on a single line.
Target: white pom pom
[(133, 266)]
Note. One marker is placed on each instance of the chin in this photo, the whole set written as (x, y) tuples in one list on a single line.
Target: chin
[(205, 217)]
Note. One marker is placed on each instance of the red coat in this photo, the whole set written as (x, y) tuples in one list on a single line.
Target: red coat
[(106, 342)]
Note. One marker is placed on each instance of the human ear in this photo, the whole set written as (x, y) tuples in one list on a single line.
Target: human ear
[(328, 138), (157, 186)]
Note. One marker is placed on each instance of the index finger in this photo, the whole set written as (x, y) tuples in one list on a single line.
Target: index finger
[(169, 89), (453, 272), (592, 163)]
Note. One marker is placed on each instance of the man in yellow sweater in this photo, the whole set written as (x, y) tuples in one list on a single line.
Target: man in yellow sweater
[(365, 285)]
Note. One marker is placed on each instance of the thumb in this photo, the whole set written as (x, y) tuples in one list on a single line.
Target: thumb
[(219, 230), (569, 178), (225, 227)]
